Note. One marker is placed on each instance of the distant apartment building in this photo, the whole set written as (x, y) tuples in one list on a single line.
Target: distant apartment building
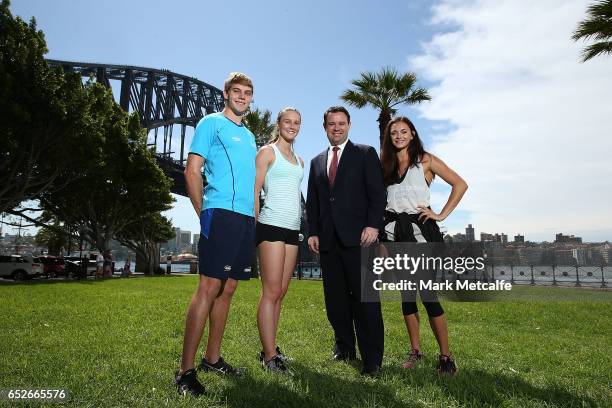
[(500, 254), (501, 238), (602, 254), (194, 244), (459, 237), (567, 239), (519, 238), (579, 255), (530, 255), (172, 243), (484, 237), (564, 257), (180, 242), (185, 239), (469, 233)]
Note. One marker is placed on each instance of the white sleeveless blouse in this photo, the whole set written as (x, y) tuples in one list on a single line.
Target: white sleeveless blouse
[(410, 192), (405, 195)]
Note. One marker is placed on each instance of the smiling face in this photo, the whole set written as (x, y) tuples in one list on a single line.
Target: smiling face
[(401, 135), (337, 126), (289, 125), (238, 98)]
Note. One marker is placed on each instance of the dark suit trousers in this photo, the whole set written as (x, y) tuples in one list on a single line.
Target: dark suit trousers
[(341, 285)]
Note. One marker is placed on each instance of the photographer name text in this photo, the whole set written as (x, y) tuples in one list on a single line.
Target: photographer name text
[(497, 285)]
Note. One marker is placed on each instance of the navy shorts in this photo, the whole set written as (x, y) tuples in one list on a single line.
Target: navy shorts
[(226, 244)]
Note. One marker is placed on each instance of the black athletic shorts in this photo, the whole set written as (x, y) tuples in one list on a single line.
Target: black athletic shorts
[(226, 244), (265, 232)]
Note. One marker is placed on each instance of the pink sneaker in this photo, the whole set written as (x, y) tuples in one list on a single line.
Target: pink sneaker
[(414, 358), (446, 365)]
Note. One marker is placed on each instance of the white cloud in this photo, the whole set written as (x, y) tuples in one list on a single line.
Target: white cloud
[(531, 126)]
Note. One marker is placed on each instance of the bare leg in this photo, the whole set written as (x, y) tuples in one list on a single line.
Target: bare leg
[(197, 314), (272, 260), (440, 329), (412, 324), (218, 318), (291, 252)]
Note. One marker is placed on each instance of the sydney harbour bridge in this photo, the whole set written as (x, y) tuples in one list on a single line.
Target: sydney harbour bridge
[(163, 100)]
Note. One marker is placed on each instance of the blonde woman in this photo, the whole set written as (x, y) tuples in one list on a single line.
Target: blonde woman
[(279, 171)]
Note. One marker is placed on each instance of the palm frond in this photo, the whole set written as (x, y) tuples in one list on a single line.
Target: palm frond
[(417, 96), (354, 98), (596, 49), (601, 9), (599, 29), (384, 90), (596, 26), (258, 122)]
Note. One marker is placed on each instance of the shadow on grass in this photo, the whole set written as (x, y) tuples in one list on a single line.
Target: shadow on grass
[(476, 387), (310, 388)]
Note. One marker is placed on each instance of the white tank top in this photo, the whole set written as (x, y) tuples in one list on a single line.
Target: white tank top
[(410, 192), (283, 197), (405, 196)]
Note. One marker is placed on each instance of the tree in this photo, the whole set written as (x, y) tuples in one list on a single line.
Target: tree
[(383, 91), (144, 236), (42, 114), (117, 183), (258, 122), (54, 240), (597, 25)]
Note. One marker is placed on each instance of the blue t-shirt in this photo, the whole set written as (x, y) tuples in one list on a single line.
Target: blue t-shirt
[(229, 150)]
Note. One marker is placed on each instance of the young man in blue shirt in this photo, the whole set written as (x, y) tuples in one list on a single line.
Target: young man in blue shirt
[(226, 149)]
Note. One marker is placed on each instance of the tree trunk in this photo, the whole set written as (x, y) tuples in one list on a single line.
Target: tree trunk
[(140, 263), (383, 119), (154, 257)]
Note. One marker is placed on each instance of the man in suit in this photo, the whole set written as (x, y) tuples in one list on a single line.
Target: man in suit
[(345, 208)]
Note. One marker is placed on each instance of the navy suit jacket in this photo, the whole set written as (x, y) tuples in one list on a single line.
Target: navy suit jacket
[(357, 199)]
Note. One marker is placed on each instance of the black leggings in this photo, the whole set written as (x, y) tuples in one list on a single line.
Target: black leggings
[(429, 299), (434, 309), (409, 305)]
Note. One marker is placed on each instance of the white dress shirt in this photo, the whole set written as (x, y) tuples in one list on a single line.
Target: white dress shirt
[(330, 154)]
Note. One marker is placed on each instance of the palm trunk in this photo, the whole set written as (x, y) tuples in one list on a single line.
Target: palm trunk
[(383, 119)]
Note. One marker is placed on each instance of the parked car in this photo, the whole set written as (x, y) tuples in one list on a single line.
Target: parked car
[(19, 267), (73, 266), (52, 266)]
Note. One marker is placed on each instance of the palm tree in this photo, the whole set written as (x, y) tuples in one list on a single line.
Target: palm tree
[(385, 90), (597, 25), (258, 122)]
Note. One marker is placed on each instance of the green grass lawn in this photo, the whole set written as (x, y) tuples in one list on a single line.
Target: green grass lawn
[(117, 343)]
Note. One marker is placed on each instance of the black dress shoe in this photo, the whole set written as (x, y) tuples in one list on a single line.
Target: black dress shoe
[(370, 371), (340, 356)]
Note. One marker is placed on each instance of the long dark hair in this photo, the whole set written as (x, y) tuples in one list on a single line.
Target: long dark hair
[(388, 156)]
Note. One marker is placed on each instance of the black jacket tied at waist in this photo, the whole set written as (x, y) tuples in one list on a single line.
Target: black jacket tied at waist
[(403, 231)]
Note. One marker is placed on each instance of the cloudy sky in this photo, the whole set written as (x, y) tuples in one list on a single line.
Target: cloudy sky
[(513, 111), (521, 119)]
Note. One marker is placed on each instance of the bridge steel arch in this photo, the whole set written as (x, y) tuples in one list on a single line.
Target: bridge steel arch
[(162, 99)]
